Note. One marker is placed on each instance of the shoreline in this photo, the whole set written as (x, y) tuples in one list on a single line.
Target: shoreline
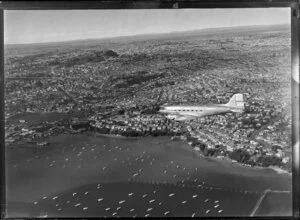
[(188, 147), (226, 159), (279, 170), (48, 178)]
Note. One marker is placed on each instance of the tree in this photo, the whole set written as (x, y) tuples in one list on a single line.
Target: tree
[(205, 152), (211, 152), (269, 161), (276, 147), (240, 155), (202, 147)]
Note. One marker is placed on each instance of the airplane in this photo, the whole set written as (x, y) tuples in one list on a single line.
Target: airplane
[(188, 112)]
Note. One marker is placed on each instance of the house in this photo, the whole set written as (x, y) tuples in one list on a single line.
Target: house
[(285, 160), (229, 148)]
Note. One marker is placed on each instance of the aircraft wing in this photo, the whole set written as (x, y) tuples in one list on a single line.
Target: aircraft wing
[(183, 117), (189, 117)]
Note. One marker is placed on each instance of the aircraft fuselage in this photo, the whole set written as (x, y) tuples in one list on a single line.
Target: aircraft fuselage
[(181, 112), (188, 112)]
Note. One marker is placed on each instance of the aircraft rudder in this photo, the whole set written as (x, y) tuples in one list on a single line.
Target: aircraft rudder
[(237, 100)]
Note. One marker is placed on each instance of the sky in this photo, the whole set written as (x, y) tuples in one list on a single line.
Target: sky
[(39, 26)]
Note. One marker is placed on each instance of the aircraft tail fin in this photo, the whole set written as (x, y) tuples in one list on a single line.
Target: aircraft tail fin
[(237, 102)]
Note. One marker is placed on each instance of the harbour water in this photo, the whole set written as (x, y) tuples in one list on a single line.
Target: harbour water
[(86, 176)]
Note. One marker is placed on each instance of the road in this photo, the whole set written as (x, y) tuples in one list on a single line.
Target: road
[(256, 132)]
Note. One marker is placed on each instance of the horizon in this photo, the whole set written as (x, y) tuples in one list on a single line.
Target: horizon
[(146, 34), (38, 26)]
